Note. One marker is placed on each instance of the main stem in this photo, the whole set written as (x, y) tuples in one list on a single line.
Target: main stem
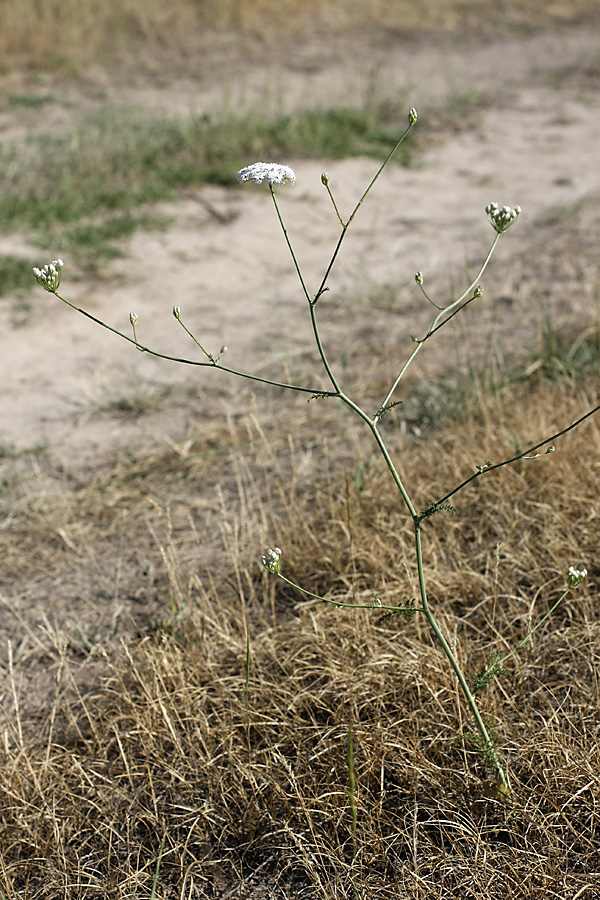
[(454, 662), (372, 423), (425, 608)]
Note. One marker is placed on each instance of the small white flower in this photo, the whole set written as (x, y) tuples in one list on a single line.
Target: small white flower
[(272, 561), (49, 276), (502, 219), (575, 576), (272, 173)]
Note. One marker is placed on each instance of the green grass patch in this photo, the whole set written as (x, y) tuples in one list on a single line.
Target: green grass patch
[(92, 243), (29, 101), (15, 276), (117, 160)]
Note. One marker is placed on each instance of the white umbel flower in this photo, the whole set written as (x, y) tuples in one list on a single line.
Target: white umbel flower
[(272, 173), (501, 218), (272, 561), (49, 276), (575, 576)]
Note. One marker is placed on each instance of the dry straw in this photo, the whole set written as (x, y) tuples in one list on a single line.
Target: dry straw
[(185, 701)]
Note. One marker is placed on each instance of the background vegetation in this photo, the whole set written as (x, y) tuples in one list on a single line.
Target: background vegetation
[(175, 723), (72, 33)]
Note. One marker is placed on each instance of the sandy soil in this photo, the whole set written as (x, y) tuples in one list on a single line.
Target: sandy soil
[(64, 382)]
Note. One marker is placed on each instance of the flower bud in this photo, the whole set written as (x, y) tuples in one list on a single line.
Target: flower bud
[(575, 576), (324, 178), (177, 312), (272, 561), (419, 277), (412, 116), (133, 319), (502, 219), (50, 275)]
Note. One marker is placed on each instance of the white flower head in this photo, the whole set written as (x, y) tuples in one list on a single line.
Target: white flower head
[(272, 561), (575, 576), (272, 173), (501, 218), (49, 276)]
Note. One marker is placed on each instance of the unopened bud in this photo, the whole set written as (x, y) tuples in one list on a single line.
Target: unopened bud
[(575, 576), (177, 312), (325, 179), (272, 561), (412, 116), (50, 275), (478, 292), (419, 277)]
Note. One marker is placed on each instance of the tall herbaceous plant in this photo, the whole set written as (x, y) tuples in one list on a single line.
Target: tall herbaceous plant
[(500, 219)]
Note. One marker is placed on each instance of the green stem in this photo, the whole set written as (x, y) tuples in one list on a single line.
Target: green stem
[(372, 423), (208, 355), (346, 225), (352, 789), (512, 459), (337, 212), (378, 173), (289, 243), (194, 362), (454, 663), (311, 303), (435, 324), (398, 609)]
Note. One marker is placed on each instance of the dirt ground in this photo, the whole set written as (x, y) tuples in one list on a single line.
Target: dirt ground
[(530, 138), (74, 399), (517, 121)]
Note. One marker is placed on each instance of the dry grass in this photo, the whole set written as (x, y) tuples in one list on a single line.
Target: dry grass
[(77, 32), (157, 738)]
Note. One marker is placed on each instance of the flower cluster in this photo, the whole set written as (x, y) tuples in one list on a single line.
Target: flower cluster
[(272, 173), (272, 561), (49, 277), (575, 576), (502, 218)]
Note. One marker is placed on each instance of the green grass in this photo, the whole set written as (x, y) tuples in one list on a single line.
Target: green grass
[(29, 101), (15, 275), (117, 160)]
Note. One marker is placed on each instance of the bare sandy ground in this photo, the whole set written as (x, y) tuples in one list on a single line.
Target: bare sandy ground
[(64, 383)]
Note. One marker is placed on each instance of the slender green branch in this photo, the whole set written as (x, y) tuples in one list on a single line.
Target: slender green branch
[(325, 181), (322, 287), (289, 243), (352, 788), (321, 349), (208, 355), (411, 122), (432, 331), (490, 746), (194, 362), (490, 468), (378, 606), (443, 311), (384, 452), (306, 293), (346, 225)]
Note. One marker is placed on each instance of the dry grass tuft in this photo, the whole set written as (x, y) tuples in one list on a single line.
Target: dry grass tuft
[(243, 771), (74, 33)]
